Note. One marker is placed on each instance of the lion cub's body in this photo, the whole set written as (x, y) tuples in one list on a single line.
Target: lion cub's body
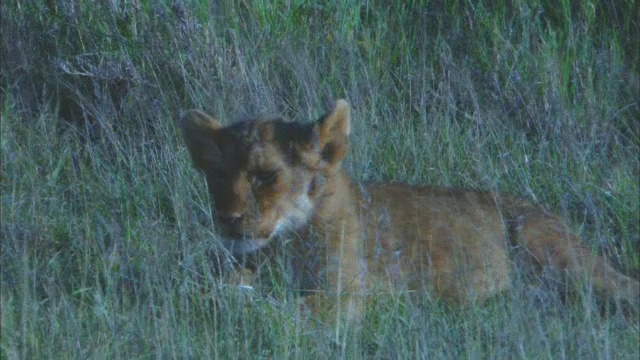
[(453, 243), (271, 179)]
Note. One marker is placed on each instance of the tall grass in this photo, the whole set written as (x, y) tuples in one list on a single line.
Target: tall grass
[(107, 242)]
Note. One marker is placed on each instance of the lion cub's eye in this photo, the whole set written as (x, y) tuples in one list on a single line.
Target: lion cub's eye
[(266, 177)]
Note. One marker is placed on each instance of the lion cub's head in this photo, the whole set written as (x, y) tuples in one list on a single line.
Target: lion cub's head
[(265, 175)]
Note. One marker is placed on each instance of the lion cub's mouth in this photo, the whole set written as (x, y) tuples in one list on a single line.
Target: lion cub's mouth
[(239, 243), (242, 241)]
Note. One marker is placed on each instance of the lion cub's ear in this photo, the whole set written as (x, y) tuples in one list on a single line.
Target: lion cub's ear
[(199, 132), (331, 134)]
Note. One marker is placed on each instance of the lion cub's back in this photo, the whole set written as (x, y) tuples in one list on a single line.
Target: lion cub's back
[(452, 242)]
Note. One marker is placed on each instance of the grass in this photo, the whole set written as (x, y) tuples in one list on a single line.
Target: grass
[(107, 242)]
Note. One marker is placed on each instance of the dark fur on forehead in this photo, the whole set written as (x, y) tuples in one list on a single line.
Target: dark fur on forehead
[(291, 137), (288, 136), (292, 132)]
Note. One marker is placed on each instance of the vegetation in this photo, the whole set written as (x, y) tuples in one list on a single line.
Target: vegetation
[(107, 242)]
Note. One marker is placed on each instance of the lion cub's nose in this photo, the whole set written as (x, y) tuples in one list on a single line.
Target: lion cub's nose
[(229, 219)]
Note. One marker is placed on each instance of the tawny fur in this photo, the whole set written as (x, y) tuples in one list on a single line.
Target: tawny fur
[(271, 179)]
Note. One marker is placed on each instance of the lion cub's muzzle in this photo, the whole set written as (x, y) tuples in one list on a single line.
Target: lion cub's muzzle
[(236, 226), (239, 235)]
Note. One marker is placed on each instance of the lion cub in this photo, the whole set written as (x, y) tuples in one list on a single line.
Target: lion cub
[(269, 178)]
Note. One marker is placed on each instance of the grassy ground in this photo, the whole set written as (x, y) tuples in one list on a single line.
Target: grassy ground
[(106, 232)]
